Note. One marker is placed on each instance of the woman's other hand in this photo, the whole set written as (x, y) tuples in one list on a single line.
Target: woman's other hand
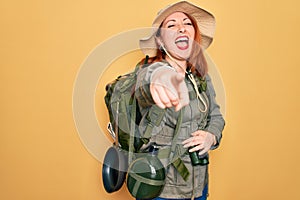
[(200, 141)]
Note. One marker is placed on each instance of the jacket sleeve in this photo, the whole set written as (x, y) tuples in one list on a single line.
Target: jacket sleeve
[(216, 122)]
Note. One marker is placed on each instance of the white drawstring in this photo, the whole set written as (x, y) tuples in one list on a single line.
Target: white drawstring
[(192, 79)]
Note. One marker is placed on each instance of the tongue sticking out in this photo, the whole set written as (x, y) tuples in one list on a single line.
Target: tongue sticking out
[(182, 45)]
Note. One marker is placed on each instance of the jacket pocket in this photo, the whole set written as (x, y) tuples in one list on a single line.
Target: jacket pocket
[(174, 178)]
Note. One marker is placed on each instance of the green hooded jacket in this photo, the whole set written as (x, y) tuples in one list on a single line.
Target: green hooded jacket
[(193, 119)]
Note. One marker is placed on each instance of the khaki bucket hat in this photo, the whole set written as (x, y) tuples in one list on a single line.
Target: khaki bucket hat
[(205, 20)]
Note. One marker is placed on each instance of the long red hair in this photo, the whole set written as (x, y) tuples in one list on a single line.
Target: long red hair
[(197, 62)]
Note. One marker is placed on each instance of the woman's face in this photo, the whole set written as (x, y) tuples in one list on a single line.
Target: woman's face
[(177, 35)]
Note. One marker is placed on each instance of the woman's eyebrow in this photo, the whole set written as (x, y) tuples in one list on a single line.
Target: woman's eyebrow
[(170, 20), (174, 20)]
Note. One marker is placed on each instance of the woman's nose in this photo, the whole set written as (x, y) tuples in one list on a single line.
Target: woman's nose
[(181, 28)]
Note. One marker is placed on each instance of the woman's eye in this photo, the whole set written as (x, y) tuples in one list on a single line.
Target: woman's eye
[(171, 25), (189, 23)]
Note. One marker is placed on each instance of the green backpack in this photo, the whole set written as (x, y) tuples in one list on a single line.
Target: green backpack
[(124, 112)]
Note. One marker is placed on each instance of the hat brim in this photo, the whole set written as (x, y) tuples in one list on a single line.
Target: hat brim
[(205, 21)]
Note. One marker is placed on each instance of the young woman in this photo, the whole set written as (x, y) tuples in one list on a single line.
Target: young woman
[(176, 79)]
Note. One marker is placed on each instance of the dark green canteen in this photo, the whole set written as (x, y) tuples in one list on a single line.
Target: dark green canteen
[(146, 177)]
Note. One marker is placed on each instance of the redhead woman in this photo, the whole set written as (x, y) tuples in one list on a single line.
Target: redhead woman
[(176, 80)]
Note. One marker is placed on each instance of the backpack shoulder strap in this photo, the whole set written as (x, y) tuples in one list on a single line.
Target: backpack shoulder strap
[(154, 118), (132, 131), (175, 158)]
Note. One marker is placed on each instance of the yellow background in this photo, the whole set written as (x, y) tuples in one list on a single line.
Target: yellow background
[(43, 44)]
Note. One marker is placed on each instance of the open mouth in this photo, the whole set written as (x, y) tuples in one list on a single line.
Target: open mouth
[(182, 42)]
